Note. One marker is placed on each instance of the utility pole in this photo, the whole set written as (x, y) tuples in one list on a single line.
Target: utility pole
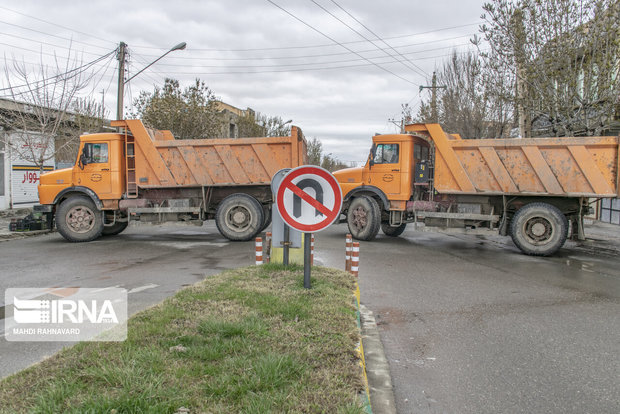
[(102, 112), (433, 88), (121, 80)]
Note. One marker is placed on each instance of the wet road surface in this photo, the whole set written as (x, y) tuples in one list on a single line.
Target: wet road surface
[(470, 325)]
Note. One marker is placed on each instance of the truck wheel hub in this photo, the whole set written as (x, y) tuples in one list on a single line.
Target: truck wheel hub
[(238, 217), (360, 218), (80, 219), (538, 229)]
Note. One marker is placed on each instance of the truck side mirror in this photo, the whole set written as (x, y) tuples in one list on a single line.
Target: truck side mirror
[(85, 157), (371, 157)]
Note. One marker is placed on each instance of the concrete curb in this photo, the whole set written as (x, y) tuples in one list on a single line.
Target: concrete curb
[(378, 369), (359, 351)]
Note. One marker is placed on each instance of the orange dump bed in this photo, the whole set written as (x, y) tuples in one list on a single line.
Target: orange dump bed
[(572, 167), (161, 161)]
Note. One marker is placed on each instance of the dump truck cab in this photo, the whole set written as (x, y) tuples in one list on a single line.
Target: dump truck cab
[(98, 173), (388, 175)]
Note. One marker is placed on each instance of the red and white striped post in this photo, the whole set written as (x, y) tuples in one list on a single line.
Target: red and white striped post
[(347, 253), (355, 259), (312, 250), (259, 250), (267, 257)]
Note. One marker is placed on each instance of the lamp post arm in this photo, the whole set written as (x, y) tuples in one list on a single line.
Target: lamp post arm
[(147, 66)]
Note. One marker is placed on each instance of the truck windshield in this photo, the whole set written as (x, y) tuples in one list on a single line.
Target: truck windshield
[(386, 154)]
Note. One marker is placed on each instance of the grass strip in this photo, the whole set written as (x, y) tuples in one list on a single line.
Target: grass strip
[(249, 340)]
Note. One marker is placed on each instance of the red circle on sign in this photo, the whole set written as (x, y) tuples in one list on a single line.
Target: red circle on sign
[(330, 214)]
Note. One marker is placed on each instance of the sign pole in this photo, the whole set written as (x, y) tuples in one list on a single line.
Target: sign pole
[(307, 242), (285, 248)]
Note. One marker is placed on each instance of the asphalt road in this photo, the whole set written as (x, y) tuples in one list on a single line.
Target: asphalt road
[(470, 325), (151, 262)]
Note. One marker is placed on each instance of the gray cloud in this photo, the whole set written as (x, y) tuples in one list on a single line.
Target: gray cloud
[(343, 107)]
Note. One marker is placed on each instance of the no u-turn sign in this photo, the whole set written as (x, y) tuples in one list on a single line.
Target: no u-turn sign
[(309, 198)]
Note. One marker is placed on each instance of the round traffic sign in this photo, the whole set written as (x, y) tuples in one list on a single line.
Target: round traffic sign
[(309, 198)]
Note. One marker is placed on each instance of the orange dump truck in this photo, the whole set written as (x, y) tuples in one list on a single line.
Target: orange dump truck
[(534, 190), (147, 175)]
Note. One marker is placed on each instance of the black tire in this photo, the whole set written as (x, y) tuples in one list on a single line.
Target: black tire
[(114, 229), (266, 217), (79, 220), (239, 217), (393, 231), (364, 218), (539, 229)]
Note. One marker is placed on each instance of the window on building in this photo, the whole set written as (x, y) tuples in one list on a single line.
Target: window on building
[(610, 210), (386, 154)]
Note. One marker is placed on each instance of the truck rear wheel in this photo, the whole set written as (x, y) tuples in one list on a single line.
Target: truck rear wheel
[(239, 217), (115, 228), (539, 229), (393, 231), (364, 218), (79, 220), (266, 217)]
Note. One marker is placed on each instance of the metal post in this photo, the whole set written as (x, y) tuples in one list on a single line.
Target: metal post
[(286, 246), (312, 251), (267, 256), (307, 242)]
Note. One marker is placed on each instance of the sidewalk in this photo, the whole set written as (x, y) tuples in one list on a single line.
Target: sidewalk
[(15, 213), (601, 237)]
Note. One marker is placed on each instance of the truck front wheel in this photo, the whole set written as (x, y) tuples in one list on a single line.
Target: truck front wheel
[(79, 220), (364, 218), (239, 217), (539, 229)]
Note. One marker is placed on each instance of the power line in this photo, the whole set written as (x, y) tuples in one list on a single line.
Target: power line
[(335, 41), (315, 46), (393, 60), (377, 36), (367, 39), (61, 26), (45, 43), (61, 75), (183, 58), (288, 70)]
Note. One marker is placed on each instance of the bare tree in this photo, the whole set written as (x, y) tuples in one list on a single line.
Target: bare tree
[(563, 56), (40, 105), (86, 116), (316, 157), (469, 105)]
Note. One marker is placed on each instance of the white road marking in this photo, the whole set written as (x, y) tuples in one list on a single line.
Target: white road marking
[(141, 288)]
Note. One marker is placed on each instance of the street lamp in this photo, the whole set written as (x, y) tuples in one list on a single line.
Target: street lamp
[(121, 73)]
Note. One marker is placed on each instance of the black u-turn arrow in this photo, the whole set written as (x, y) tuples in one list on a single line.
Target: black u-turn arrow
[(318, 190)]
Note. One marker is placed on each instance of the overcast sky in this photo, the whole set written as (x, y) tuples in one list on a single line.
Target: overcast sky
[(337, 86)]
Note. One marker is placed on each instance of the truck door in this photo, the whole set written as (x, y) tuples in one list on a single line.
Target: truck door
[(385, 173), (93, 169)]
